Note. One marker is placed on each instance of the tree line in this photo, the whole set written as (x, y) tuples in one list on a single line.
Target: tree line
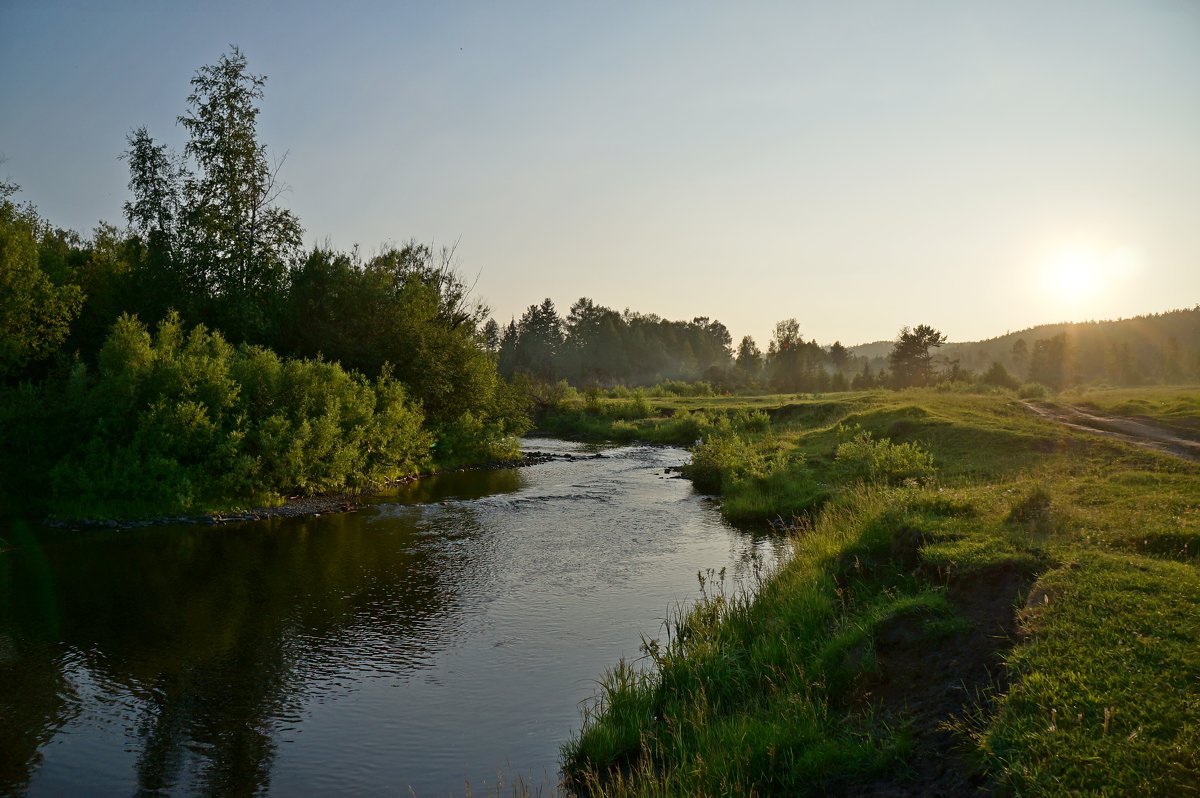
[(203, 353), (596, 346), (1151, 349)]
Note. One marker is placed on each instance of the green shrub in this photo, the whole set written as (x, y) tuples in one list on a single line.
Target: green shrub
[(864, 458), (1033, 390), (753, 421), (472, 439), (634, 408), (681, 388), (722, 458), (186, 423), (1000, 377)]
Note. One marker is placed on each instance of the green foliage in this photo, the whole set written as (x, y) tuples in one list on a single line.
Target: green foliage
[(786, 491), (794, 364), (638, 406), (470, 439), (893, 576), (681, 388), (233, 233), (179, 422), (597, 346), (35, 312), (547, 396), (999, 377), (1052, 361), (751, 421), (407, 308), (1033, 390), (910, 359), (749, 360), (722, 458), (862, 457)]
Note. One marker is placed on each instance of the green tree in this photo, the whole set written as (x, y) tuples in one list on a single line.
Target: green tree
[(156, 179), (711, 343), (35, 312), (1050, 361), (538, 342), (164, 280), (238, 241), (749, 358), (104, 270), (838, 355), (1000, 377), (1172, 361), (864, 380), (405, 307), (491, 336), (786, 358), (593, 349), (910, 359)]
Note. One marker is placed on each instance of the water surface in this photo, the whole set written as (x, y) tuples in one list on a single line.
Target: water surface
[(443, 634)]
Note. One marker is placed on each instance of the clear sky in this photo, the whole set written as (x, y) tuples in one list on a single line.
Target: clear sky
[(860, 166)]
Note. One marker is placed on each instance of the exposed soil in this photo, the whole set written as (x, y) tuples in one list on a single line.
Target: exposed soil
[(926, 684), (1139, 432)]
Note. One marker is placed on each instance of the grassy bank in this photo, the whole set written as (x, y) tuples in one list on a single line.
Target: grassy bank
[(978, 597)]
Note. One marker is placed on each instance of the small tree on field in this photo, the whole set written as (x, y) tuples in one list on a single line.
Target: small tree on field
[(1000, 377), (787, 360), (749, 358), (1050, 362), (910, 359)]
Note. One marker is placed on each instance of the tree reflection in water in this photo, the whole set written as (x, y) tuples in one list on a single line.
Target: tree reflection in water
[(214, 632), (400, 645)]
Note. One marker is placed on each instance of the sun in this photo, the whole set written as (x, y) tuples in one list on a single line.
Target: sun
[(1074, 275), (1081, 275)]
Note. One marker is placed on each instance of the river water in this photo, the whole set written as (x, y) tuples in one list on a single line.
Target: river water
[(441, 636)]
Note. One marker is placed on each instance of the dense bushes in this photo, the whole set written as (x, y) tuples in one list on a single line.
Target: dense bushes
[(723, 458), (863, 458), (187, 422), (377, 367), (35, 309)]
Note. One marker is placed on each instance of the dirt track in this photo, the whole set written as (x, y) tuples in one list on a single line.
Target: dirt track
[(1137, 432)]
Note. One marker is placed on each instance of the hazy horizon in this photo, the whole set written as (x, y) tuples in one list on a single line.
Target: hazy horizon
[(859, 167)]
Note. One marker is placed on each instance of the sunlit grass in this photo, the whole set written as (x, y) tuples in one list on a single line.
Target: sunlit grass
[(1098, 691)]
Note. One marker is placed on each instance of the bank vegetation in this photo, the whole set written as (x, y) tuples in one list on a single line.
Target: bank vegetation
[(979, 598)]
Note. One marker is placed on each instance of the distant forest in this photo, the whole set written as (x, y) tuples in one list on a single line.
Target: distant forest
[(598, 346)]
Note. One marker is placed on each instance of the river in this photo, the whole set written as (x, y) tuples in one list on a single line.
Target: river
[(444, 634)]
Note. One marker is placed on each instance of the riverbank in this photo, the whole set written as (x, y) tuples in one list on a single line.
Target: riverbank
[(980, 598), (297, 506), (442, 635)]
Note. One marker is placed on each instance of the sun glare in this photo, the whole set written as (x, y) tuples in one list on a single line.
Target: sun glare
[(1074, 275)]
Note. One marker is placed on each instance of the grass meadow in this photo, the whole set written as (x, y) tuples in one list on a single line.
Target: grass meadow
[(978, 598)]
